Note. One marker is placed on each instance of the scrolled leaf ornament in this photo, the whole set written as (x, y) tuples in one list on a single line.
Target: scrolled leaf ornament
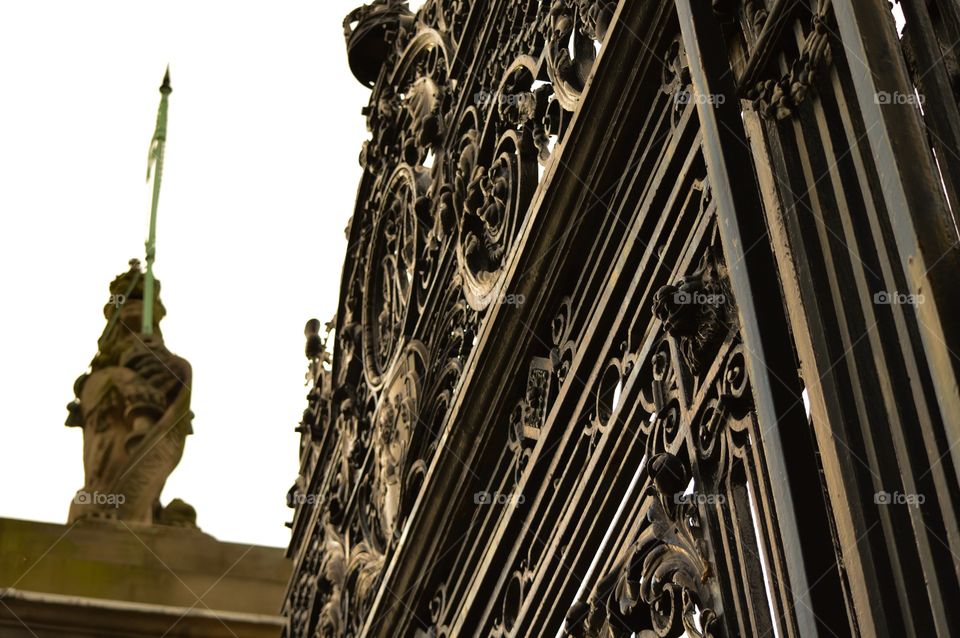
[(662, 586), (697, 311), (391, 272), (495, 200), (676, 82), (779, 98), (395, 423), (575, 25)]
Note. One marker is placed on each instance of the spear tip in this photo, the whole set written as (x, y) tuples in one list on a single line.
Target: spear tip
[(165, 87)]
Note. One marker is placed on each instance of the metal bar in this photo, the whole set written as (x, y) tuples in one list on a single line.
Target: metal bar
[(939, 106), (922, 225), (788, 452)]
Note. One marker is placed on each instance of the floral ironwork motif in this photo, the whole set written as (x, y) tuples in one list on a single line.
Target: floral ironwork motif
[(779, 98), (597, 453), (454, 157), (695, 311), (661, 583), (664, 581)]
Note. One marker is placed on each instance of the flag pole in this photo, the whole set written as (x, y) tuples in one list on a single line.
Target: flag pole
[(155, 162)]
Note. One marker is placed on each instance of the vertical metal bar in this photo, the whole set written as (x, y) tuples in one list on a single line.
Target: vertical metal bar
[(939, 104), (770, 357), (925, 236)]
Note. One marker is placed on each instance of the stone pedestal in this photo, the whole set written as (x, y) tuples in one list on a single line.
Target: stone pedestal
[(116, 579)]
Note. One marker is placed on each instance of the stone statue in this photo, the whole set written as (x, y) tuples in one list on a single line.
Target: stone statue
[(134, 407)]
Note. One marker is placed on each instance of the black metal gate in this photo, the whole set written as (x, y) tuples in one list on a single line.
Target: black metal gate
[(645, 326)]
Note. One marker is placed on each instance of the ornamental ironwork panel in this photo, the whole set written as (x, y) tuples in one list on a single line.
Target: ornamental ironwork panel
[(613, 356)]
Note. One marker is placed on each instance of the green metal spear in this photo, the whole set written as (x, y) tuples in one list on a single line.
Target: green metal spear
[(155, 162)]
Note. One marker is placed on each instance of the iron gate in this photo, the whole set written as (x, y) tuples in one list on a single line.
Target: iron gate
[(645, 326)]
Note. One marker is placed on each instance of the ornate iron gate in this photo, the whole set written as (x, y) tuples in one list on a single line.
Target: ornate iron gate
[(645, 326)]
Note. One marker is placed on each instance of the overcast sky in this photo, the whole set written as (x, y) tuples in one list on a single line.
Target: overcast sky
[(260, 178)]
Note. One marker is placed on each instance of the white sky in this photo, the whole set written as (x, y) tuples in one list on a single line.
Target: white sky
[(260, 178)]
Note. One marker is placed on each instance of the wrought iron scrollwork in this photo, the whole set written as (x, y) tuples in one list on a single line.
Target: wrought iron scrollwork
[(697, 394), (455, 154), (661, 586), (391, 272), (574, 27), (778, 98), (695, 311)]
